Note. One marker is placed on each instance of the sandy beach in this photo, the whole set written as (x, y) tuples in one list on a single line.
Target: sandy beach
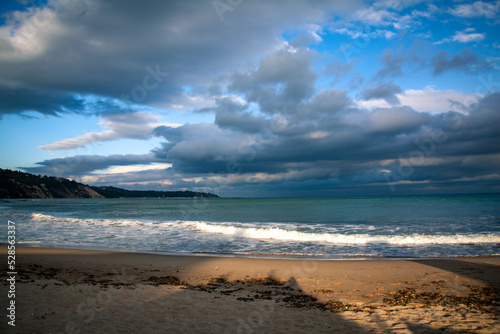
[(83, 291)]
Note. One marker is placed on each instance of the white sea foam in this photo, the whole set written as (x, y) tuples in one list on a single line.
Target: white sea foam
[(280, 234), (242, 233), (38, 217)]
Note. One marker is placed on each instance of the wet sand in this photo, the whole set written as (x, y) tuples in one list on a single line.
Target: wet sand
[(83, 291)]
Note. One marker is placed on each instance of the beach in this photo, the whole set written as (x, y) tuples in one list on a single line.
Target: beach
[(86, 291)]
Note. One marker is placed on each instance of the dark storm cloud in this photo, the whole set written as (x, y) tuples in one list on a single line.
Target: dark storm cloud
[(20, 100), (281, 81), (83, 164), (340, 71), (343, 150), (397, 120), (232, 113), (328, 101), (392, 62), (466, 61), (475, 133), (244, 121), (345, 145), (384, 91), (142, 52)]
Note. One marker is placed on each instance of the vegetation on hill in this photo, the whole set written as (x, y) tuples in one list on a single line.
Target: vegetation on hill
[(16, 184), (113, 192)]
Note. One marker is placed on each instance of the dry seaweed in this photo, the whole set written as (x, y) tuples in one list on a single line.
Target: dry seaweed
[(479, 298), (166, 280)]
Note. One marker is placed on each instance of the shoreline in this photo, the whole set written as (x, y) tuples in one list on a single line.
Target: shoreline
[(72, 290), (270, 256)]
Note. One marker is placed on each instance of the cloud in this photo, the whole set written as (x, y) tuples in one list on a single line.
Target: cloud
[(135, 168), (49, 53), (397, 4), (387, 14), (365, 34), (435, 101), (244, 121), (396, 120), (374, 16), (427, 100), (466, 36), (477, 9), (282, 80), (338, 145), (311, 34), (18, 100), (342, 147), (466, 61), (393, 62), (340, 71), (135, 125), (384, 91), (326, 101), (84, 164)]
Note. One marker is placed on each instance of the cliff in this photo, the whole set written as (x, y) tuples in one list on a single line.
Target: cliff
[(15, 184)]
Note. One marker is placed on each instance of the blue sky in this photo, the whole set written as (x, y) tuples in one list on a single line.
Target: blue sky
[(254, 98)]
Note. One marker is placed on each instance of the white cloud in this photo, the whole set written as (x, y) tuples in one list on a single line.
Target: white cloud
[(318, 135), (313, 32), (351, 33), (354, 34), (396, 4), (466, 36), (477, 9), (436, 101), (186, 101), (373, 16), (427, 100), (463, 37), (372, 104), (132, 168), (379, 16), (134, 125), (28, 31), (404, 22)]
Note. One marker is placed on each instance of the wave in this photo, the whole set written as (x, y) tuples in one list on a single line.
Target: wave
[(39, 217), (279, 234)]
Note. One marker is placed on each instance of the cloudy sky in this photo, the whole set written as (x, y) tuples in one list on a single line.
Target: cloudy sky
[(254, 98)]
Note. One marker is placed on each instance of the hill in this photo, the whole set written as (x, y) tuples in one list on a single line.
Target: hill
[(15, 184), (113, 192)]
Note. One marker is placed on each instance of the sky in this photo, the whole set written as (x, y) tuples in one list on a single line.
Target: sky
[(254, 98)]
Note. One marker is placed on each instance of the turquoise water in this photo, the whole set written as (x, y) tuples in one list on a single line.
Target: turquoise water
[(340, 227)]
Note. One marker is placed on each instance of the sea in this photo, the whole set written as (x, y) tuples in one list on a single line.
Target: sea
[(323, 228)]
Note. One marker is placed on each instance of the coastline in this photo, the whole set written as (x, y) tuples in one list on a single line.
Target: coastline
[(64, 290), (269, 256)]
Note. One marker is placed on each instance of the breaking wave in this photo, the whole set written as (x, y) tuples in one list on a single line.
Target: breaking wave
[(346, 239), (278, 232), (258, 238)]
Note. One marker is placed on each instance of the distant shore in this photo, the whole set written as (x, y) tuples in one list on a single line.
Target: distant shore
[(70, 290), (20, 185)]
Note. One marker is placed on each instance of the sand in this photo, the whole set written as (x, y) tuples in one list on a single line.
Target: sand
[(83, 291)]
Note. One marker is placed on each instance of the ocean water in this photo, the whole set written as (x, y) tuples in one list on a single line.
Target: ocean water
[(336, 228)]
